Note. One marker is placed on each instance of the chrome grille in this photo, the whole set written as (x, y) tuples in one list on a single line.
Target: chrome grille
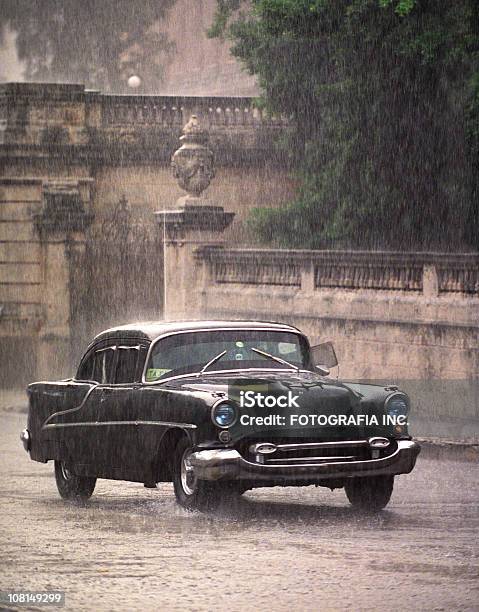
[(315, 453)]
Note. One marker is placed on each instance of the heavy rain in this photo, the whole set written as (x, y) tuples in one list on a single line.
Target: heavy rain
[(239, 304)]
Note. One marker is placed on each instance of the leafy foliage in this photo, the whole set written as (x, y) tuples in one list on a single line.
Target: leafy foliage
[(385, 94), (97, 42)]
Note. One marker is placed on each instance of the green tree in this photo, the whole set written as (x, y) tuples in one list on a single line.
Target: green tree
[(385, 97), (97, 42)]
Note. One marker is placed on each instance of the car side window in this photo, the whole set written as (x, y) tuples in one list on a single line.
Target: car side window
[(85, 371), (127, 364), (103, 368)]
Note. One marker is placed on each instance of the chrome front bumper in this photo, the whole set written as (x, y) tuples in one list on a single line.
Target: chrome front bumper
[(228, 464)]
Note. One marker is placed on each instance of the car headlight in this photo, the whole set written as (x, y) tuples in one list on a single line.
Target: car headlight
[(224, 414), (397, 405)]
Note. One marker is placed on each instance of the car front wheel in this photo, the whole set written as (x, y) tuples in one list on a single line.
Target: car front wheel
[(370, 494), (190, 492), (71, 486)]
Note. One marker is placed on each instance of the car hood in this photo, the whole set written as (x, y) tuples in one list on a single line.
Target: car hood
[(313, 395)]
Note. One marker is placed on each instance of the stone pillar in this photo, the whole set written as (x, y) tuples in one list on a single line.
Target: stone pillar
[(195, 222), (61, 225)]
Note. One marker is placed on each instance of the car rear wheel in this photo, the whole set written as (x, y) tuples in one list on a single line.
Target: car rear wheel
[(190, 492), (71, 486), (370, 494)]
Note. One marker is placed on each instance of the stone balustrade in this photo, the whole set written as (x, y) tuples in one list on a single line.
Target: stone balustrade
[(92, 124), (421, 273), (174, 111)]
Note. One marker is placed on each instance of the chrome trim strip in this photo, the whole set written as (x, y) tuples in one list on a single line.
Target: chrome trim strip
[(95, 385), (286, 328), (112, 347), (306, 459), (317, 445), (100, 423), (87, 395)]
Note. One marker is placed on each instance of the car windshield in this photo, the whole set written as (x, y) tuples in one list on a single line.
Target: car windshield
[(185, 353)]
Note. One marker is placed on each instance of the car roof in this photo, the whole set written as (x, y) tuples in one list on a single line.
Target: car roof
[(150, 330)]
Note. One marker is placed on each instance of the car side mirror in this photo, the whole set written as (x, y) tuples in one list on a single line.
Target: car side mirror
[(324, 357)]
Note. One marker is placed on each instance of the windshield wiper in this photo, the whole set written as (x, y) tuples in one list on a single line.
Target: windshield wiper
[(255, 350), (211, 362), (278, 359)]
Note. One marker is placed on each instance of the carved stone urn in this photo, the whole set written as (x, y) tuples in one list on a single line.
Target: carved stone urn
[(195, 217), (193, 162)]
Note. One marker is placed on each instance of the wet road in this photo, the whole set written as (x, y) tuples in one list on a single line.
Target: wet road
[(132, 548)]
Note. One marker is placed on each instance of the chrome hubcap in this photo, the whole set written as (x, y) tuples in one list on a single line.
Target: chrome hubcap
[(188, 478), (66, 472)]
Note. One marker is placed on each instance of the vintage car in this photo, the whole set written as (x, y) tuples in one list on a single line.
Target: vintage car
[(218, 407)]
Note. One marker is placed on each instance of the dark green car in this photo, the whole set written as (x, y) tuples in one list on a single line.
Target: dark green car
[(218, 407)]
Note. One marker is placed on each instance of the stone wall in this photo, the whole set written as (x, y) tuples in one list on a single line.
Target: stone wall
[(409, 315), (34, 274)]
